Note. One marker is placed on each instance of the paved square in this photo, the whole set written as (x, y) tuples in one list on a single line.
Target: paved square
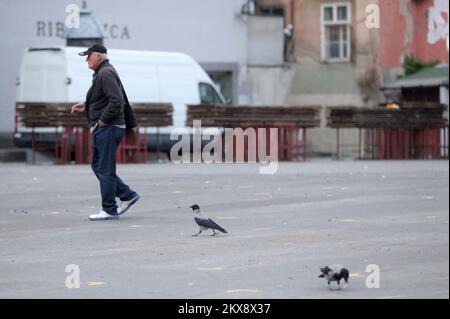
[(282, 229)]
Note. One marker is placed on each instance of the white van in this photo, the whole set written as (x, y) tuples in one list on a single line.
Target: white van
[(59, 74)]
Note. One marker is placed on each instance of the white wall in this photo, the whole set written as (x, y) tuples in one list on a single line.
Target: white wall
[(270, 85), (210, 31), (265, 36)]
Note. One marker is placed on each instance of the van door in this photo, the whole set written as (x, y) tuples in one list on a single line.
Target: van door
[(43, 77), (177, 86)]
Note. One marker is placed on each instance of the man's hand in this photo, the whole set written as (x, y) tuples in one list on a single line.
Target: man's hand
[(79, 107), (100, 123)]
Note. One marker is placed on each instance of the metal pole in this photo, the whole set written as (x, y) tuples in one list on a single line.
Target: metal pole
[(388, 143), (406, 141), (56, 144), (305, 152), (33, 145), (372, 142), (157, 144), (337, 144), (424, 141), (145, 145), (359, 143), (442, 143), (446, 141)]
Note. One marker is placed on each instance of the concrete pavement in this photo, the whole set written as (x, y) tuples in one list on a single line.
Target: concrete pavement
[(282, 229)]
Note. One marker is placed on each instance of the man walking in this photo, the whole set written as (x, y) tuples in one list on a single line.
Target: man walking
[(108, 112)]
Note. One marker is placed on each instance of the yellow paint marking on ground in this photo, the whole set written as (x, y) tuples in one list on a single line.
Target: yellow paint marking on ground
[(55, 213), (96, 283), (347, 220), (427, 197), (136, 226), (356, 275)]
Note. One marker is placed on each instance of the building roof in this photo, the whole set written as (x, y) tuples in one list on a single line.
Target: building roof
[(89, 28), (435, 76)]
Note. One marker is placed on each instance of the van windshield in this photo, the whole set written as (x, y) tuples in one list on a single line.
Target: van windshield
[(208, 95)]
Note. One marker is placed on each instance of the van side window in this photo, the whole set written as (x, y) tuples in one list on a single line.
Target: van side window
[(208, 95)]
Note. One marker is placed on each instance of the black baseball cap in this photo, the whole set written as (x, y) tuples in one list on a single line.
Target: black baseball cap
[(95, 48)]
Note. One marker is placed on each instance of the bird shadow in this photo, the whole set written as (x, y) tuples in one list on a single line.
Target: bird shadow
[(209, 236)]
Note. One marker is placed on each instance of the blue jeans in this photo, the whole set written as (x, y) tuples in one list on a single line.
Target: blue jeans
[(105, 141)]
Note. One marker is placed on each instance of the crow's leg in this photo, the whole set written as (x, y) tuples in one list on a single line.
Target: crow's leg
[(197, 233), (329, 287), (339, 285), (214, 232)]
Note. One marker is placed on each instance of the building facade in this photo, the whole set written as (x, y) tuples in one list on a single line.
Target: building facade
[(260, 52), (214, 33), (411, 28), (342, 52)]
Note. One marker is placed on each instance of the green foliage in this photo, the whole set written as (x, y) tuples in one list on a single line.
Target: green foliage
[(411, 65)]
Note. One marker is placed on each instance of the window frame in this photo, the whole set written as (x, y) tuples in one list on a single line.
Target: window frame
[(335, 22), (216, 94)]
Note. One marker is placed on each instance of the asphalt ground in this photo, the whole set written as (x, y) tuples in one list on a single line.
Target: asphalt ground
[(282, 229)]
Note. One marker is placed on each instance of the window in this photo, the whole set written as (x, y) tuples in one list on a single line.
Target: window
[(336, 36), (274, 11), (208, 95), (223, 81)]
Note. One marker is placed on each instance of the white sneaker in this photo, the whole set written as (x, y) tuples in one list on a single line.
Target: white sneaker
[(102, 215), (125, 205)]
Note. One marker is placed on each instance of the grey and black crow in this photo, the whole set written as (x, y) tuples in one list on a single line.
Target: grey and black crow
[(204, 222), (335, 273)]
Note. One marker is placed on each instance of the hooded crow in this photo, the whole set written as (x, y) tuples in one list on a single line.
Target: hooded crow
[(204, 222), (335, 273)]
